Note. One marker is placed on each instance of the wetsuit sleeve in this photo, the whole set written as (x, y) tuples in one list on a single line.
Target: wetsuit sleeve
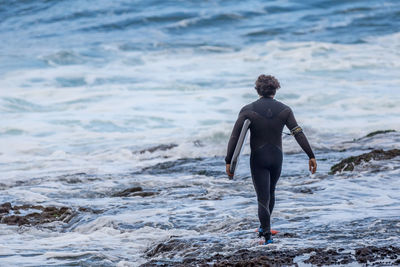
[(297, 132), (234, 137)]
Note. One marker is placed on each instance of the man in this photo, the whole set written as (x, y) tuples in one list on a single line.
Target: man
[(268, 117)]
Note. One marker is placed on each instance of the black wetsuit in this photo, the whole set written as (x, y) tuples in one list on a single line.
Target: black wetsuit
[(268, 117)]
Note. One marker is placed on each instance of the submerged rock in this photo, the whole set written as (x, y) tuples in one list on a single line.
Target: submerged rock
[(87, 209), (179, 165), (379, 132), (304, 190), (372, 134), (159, 147), (144, 194), (128, 191), (134, 191), (196, 166), (290, 235), (34, 214), (349, 163)]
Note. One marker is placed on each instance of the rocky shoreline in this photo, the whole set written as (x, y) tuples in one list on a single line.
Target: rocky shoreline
[(348, 164), (33, 214), (389, 255)]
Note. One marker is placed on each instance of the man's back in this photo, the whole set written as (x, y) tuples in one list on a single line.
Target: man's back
[(268, 117)]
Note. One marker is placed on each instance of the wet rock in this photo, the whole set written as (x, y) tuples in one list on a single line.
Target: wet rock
[(290, 235), (246, 257), (379, 132), (73, 178), (168, 246), (39, 216), (208, 198), (329, 257), (304, 190), (195, 166), (128, 191), (242, 257), (5, 207), (134, 191), (159, 147), (209, 172), (374, 254), (349, 163), (198, 143), (85, 209), (14, 220), (27, 206), (180, 165), (372, 134)]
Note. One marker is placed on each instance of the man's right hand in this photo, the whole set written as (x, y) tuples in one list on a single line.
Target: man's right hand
[(228, 167), (312, 163)]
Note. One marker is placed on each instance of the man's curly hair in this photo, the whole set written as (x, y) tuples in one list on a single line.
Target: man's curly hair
[(266, 85)]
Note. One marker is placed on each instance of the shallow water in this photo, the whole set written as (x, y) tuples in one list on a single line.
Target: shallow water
[(85, 88)]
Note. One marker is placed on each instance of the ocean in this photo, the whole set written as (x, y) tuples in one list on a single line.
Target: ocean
[(97, 97)]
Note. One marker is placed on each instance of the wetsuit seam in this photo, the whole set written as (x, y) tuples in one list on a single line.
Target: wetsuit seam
[(263, 145), (285, 120)]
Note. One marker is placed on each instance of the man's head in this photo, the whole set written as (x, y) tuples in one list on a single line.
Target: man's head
[(266, 85)]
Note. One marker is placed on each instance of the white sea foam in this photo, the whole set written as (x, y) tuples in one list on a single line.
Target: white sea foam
[(178, 98)]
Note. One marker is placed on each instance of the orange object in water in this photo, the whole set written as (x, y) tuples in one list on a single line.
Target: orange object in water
[(274, 232)]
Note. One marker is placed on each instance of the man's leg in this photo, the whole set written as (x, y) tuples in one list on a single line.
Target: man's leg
[(274, 174), (275, 159), (261, 182)]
